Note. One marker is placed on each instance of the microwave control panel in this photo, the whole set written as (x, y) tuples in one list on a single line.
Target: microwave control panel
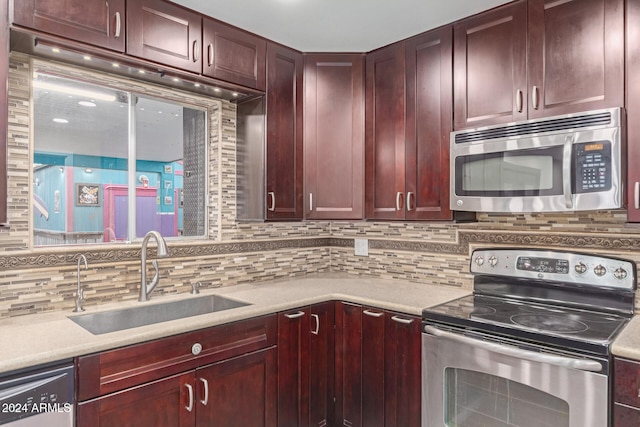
[(592, 166)]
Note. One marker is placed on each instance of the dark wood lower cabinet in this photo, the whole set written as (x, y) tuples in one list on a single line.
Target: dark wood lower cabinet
[(373, 367), (625, 416), (348, 364), (626, 393)]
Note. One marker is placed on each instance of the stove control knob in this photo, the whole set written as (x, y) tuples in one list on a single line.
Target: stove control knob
[(479, 260), (581, 268), (620, 273), (493, 260), (600, 270)]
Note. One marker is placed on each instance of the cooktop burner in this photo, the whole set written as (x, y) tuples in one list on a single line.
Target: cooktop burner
[(549, 323)]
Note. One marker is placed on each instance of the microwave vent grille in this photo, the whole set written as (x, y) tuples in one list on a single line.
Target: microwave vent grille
[(535, 127)]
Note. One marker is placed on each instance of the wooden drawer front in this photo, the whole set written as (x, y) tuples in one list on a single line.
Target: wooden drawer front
[(626, 378), (625, 416), (126, 367)]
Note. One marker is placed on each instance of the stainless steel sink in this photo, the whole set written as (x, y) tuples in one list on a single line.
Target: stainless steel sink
[(126, 318)]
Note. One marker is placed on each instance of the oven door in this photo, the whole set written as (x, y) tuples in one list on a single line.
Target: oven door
[(468, 382)]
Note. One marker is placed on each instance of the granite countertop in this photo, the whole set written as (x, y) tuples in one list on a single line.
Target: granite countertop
[(627, 343), (41, 338)]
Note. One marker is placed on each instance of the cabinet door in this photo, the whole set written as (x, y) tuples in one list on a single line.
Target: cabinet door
[(626, 378), (4, 107), (384, 133), (284, 133), (97, 22), (233, 55), (403, 375), (334, 136), (322, 361), (169, 402), (576, 56), (238, 392), (166, 33), (348, 365), (293, 368), (633, 109), (428, 125), (373, 367), (490, 77), (625, 416)]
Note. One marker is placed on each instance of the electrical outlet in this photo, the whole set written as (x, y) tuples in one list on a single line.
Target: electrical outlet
[(361, 247)]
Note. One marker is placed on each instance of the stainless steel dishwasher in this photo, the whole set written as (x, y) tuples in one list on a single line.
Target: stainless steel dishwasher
[(38, 397)]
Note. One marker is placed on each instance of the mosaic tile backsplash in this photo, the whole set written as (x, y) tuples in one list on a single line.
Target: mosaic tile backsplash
[(38, 280)]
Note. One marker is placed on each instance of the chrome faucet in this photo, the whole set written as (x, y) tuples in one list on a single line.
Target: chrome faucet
[(80, 292), (162, 252)]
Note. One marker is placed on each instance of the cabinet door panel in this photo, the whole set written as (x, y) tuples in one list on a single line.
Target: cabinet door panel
[(402, 374), (625, 416), (166, 33), (284, 133), (4, 107), (576, 58), (321, 361), (293, 368), (348, 365), (490, 67), (241, 391), (334, 136), (97, 22), (633, 108), (233, 55), (428, 125), (626, 378), (163, 403), (373, 367), (384, 133)]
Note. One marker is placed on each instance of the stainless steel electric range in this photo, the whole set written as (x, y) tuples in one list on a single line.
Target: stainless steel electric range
[(531, 346)]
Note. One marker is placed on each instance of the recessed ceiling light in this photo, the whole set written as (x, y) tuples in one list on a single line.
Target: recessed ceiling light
[(87, 58), (87, 103), (58, 120), (175, 79), (141, 71), (197, 85), (234, 94), (55, 50), (116, 65)]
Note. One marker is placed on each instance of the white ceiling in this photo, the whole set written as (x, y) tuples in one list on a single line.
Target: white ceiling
[(338, 25)]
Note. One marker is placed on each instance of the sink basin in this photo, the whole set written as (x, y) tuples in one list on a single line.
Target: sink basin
[(126, 318)]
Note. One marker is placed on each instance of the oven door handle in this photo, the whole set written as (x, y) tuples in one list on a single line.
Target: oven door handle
[(508, 350)]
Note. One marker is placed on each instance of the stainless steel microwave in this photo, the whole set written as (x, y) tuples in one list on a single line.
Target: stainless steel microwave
[(564, 163)]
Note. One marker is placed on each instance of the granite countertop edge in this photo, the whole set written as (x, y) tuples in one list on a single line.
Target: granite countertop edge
[(627, 343), (37, 339)]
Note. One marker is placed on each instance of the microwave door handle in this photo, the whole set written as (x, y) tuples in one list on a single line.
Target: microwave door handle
[(508, 350), (566, 172)]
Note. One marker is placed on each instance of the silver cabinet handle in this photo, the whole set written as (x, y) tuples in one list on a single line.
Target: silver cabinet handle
[(566, 172), (402, 320), (519, 101), (189, 407), (398, 200), (636, 195), (372, 313), (534, 97), (205, 384), (311, 201), (116, 34), (196, 51), (410, 195), (294, 315), (272, 199), (210, 54), (508, 350), (317, 319)]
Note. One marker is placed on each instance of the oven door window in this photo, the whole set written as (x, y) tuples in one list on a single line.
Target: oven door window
[(518, 173), (477, 399)]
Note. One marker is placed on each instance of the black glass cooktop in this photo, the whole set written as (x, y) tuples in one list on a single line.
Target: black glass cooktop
[(562, 326)]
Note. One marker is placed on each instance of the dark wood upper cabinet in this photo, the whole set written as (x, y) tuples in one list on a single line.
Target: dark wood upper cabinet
[(576, 56), (96, 22), (490, 58), (4, 108), (633, 109), (165, 33), (233, 55), (428, 125), (334, 136), (284, 133), (384, 133), (538, 58)]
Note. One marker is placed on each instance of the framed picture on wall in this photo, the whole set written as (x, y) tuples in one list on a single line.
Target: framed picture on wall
[(88, 195)]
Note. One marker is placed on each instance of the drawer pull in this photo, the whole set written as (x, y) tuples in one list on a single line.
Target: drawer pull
[(196, 51), (189, 407), (205, 384), (210, 55), (402, 320), (373, 313), (294, 315), (196, 349), (317, 319), (116, 33)]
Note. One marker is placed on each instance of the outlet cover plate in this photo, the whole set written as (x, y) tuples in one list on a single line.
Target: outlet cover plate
[(361, 247)]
